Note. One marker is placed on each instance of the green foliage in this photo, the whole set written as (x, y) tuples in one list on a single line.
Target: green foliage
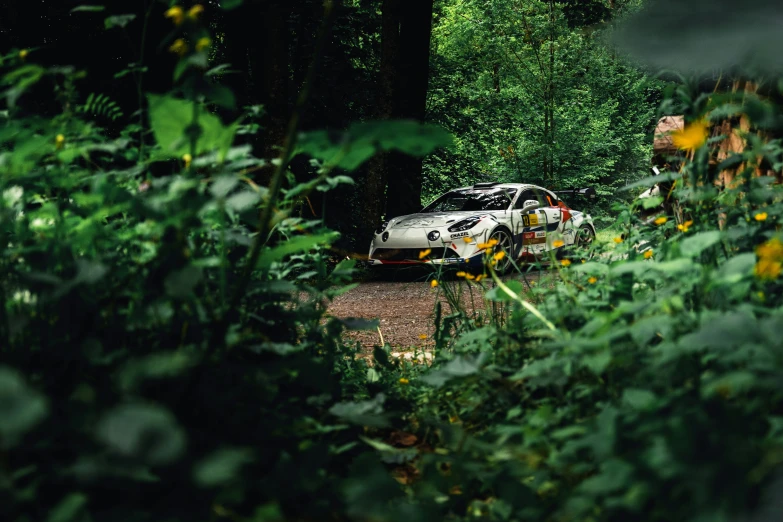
[(658, 382), (165, 352), (531, 99)]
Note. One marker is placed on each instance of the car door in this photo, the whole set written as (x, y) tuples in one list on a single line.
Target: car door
[(537, 225)]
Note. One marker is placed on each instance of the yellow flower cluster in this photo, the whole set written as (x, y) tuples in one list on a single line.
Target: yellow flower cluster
[(661, 220), (692, 137), (770, 259), (434, 283), (592, 280), (618, 240), (488, 244), (565, 262), (761, 216), (425, 253), (177, 14), (469, 276), (648, 254), (557, 243), (685, 226)]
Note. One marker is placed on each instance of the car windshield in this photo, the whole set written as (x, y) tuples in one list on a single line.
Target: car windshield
[(472, 200)]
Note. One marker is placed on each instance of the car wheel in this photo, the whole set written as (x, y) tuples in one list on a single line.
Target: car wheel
[(505, 244), (584, 237)]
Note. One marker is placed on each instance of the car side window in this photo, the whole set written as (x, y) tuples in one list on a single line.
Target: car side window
[(542, 197), (527, 194)]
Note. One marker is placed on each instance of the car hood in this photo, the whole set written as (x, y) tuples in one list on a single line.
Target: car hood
[(433, 219)]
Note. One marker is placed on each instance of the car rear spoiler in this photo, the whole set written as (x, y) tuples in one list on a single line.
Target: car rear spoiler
[(584, 192)]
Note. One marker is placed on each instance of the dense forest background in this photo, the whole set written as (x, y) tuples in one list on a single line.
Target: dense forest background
[(529, 89), (182, 187)]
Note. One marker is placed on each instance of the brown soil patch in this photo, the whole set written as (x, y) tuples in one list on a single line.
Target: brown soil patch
[(405, 309)]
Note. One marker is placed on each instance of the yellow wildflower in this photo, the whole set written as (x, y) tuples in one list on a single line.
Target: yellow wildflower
[(23, 54), (59, 141), (761, 216), (500, 255), (618, 240), (425, 253), (403, 380), (592, 280), (422, 336), (203, 43), (479, 277), (565, 262), (467, 239), (195, 11), (770, 256), (661, 220), (434, 283), (772, 249), (187, 159), (692, 136), (175, 13), (648, 254), (767, 269), (179, 47), (557, 243), (492, 242), (470, 277), (685, 226), (461, 274), (488, 244)]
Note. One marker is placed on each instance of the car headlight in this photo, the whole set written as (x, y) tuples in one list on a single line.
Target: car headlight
[(382, 227), (465, 224)]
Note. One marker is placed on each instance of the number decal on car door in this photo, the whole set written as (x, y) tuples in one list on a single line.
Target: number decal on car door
[(529, 220)]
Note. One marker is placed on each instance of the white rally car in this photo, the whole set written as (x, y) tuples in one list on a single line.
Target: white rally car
[(525, 220)]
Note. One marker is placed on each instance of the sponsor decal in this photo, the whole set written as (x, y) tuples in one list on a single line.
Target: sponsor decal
[(541, 234), (460, 234), (530, 220)]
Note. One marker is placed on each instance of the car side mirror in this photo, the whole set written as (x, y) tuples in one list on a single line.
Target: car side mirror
[(530, 203)]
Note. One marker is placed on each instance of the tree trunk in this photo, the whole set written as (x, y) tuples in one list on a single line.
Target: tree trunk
[(374, 190), (410, 101)]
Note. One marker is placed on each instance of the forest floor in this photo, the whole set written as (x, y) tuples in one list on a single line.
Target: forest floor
[(404, 304)]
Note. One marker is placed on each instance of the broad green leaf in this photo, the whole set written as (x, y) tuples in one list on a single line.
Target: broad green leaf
[(712, 35), (458, 367), (348, 150), (88, 9), (294, 246), (171, 118), (499, 294), (694, 245), (69, 509), (221, 467), (142, 431), (228, 5), (362, 413), (118, 21), (21, 407), (638, 399), (729, 384), (373, 375), (652, 202)]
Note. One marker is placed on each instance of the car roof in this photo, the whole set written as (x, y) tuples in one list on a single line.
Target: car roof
[(503, 185)]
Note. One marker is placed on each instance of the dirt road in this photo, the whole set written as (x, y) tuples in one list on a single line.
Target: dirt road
[(405, 309)]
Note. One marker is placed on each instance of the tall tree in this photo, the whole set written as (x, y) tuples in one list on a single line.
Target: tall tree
[(410, 102)]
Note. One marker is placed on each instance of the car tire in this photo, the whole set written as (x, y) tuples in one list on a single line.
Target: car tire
[(584, 238), (505, 244)]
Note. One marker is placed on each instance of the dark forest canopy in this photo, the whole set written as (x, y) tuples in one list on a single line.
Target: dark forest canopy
[(527, 87)]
